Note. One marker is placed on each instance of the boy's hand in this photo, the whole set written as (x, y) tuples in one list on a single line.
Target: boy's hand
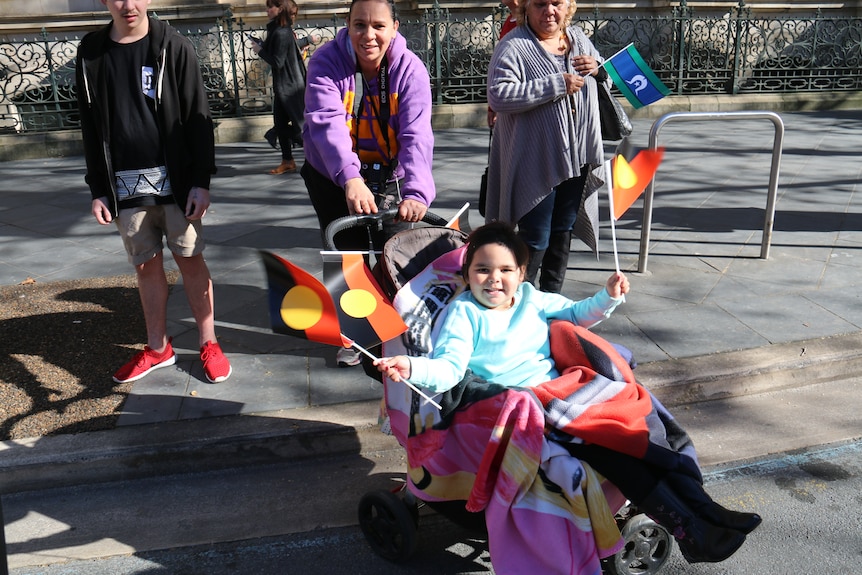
[(100, 211), (198, 203)]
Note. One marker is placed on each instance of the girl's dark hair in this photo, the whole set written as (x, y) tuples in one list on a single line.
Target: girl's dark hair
[(390, 3), (501, 233)]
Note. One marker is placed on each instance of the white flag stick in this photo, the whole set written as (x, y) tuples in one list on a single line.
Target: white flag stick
[(457, 215), (609, 180), (407, 383), (617, 54)]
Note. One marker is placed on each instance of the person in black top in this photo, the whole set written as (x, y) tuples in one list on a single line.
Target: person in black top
[(282, 52), (150, 153)]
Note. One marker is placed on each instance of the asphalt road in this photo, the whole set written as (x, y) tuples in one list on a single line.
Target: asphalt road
[(807, 498)]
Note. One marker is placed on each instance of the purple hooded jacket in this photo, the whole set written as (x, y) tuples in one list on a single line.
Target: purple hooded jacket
[(328, 131)]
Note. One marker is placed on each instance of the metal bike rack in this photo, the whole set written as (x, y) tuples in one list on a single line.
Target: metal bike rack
[(773, 175)]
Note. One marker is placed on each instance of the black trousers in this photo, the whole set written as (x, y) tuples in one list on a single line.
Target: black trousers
[(329, 204), (286, 131), (633, 477)]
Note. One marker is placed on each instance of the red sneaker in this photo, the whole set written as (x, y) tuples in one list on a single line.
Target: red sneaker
[(216, 366), (144, 362)]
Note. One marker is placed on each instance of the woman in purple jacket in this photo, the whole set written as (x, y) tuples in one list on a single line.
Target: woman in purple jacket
[(367, 133)]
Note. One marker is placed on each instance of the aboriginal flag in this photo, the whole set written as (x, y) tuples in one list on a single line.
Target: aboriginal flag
[(299, 304), (461, 220), (365, 316), (631, 177)]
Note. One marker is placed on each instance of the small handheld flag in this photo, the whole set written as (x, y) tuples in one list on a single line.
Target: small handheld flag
[(461, 220), (627, 181), (634, 78), (364, 315), (631, 178), (299, 304)]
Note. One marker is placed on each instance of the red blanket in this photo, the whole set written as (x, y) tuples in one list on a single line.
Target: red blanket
[(597, 400)]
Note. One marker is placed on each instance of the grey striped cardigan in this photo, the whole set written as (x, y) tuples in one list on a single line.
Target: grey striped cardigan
[(542, 137)]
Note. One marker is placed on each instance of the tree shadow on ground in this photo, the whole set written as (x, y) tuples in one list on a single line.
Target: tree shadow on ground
[(61, 343)]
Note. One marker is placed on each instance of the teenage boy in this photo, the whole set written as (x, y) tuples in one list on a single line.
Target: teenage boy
[(150, 152)]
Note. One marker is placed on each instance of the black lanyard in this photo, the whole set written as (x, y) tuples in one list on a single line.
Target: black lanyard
[(360, 90)]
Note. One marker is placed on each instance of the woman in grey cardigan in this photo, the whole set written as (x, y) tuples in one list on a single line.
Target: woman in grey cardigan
[(547, 138)]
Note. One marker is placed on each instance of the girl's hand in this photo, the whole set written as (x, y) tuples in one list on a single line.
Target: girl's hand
[(395, 368), (618, 285)]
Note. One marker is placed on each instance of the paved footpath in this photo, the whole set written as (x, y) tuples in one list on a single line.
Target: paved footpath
[(705, 290), (709, 319)]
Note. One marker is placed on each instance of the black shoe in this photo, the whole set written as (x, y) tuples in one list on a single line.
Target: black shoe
[(272, 137), (555, 262), (699, 540), (692, 492), (736, 520)]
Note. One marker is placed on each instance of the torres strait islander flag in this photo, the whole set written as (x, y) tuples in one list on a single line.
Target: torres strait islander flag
[(634, 78), (366, 317), (299, 304)]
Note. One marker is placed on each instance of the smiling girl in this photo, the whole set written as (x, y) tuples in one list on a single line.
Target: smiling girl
[(499, 328)]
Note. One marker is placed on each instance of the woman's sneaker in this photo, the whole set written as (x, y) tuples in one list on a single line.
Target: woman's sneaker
[(144, 362), (216, 366)]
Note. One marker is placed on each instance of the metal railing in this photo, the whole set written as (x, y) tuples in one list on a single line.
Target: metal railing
[(692, 54), (772, 191)]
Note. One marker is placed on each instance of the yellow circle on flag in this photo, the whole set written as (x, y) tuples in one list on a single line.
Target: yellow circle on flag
[(358, 303), (301, 308), (624, 176)]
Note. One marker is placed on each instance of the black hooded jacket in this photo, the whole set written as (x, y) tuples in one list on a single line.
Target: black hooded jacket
[(183, 114)]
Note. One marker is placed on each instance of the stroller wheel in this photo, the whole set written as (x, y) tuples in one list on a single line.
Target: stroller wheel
[(647, 548), (388, 525)]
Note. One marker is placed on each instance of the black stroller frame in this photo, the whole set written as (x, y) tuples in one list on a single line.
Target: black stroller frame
[(389, 519)]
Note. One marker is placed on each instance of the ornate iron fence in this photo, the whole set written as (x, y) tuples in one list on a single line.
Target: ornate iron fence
[(729, 54)]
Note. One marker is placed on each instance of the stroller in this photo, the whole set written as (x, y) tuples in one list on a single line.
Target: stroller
[(419, 269)]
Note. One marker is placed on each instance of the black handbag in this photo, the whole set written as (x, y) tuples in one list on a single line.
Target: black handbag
[(483, 185), (615, 122)]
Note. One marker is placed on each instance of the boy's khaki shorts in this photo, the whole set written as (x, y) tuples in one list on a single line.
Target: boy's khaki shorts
[(142, 229)]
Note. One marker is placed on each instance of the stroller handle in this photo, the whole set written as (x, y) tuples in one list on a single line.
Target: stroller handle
[(369, 220)]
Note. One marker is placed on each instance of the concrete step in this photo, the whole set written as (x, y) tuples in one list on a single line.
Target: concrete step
[(707, 393)]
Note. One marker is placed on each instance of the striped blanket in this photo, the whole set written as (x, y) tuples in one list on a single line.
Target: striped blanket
[(597, 400)]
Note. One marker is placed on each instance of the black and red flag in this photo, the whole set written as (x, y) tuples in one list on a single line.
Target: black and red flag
[(632, 171), (299, 304), (365, 316)]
